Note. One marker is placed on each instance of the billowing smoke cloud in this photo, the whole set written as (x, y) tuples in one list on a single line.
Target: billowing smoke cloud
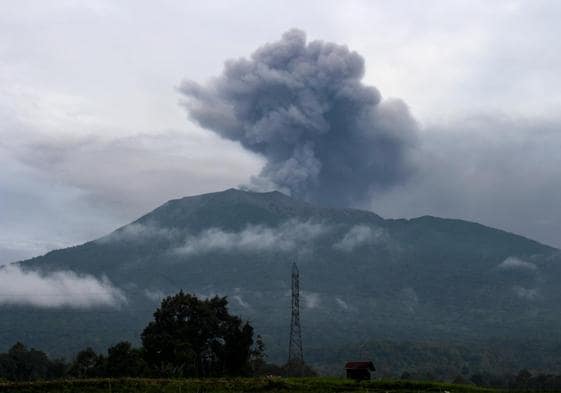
[(58, 289), (289, 236), (325, 135)]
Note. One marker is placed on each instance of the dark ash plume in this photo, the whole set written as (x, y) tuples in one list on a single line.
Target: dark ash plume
[(326, 136)]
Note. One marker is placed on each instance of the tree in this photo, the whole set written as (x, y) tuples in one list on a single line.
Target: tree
[(87, 364), (194, 337), (22, 364), (124, 361), (523, 378), (257, 357)]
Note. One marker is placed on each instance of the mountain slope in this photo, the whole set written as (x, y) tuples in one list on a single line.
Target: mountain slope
[(362, 277)]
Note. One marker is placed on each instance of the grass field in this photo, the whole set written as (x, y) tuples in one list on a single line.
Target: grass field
[(272, 384)]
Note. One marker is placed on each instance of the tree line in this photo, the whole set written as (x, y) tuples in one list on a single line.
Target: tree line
[(523, 381), (188, 337)]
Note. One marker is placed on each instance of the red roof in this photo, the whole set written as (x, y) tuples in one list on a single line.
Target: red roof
[(360, 366)]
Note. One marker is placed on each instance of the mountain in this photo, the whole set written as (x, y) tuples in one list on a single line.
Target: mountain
[(363, 278)]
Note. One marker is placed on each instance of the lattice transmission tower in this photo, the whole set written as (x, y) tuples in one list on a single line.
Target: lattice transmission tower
[(295, 354)]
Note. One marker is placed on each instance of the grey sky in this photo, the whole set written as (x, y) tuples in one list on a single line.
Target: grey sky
[(92, 136)]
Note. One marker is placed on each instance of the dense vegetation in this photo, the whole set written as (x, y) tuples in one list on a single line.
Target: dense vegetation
[(442, 360), (189, 337), (122, 360), (199, 338)]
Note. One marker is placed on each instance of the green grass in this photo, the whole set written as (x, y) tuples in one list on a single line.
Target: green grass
[(270, 384)]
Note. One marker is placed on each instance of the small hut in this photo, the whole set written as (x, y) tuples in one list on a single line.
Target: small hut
[(359, 371)]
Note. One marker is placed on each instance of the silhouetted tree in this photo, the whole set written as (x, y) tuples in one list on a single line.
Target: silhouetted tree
[(125, 361), (57, 369), (523, 379), (257, 357), (190, 336), (87, 364), (22, 364)]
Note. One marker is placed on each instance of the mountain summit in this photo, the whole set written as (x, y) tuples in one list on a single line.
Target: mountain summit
[(362, 277)]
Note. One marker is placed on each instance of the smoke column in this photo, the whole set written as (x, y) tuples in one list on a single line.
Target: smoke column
[(326, 137)]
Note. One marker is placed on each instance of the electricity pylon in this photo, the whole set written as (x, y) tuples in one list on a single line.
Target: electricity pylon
[(295, 354)]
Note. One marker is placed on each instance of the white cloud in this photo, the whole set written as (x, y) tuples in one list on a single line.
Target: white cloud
[(289, 236), (311, 299), (526, 293), (360, 235), (516, 263), (240, 301), (154, 294), (409, 299), (57, 289), (341, 303)]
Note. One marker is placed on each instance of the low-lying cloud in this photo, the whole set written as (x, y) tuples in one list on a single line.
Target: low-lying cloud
[(311, 299), (514, 263), (361, 235), (154, 295), (289, 236), (57, 289), (526, 293), (341, 303), (240, 301)]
